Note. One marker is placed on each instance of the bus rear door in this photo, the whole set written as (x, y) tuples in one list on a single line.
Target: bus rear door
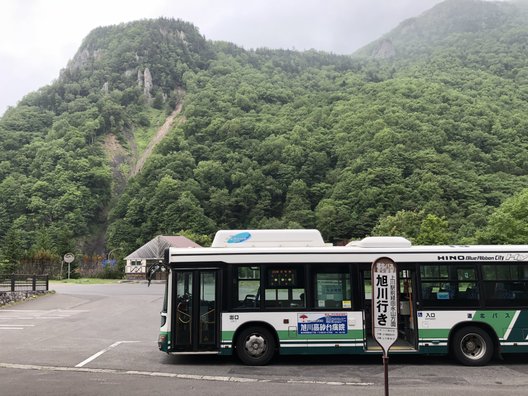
[(195, 312)]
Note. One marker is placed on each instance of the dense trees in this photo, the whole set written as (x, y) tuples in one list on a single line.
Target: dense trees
[(281, 138), (429, 144), (508, 223)]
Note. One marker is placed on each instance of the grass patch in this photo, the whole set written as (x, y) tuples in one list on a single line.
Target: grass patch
[(86, 281), (145, 134)]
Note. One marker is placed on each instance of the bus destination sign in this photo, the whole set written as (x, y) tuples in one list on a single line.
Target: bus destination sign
[(384, 302)]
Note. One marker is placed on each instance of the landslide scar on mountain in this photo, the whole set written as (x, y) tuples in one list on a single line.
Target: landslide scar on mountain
[(117, 155), (160, 134)]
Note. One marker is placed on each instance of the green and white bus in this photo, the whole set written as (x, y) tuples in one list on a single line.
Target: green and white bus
[(259, 293)]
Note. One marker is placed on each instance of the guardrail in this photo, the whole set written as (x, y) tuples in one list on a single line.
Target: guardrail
[(23, 283)]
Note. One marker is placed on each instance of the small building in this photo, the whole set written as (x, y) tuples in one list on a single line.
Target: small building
[(151, 253)]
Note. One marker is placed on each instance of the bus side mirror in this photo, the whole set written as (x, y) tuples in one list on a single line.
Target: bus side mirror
[(149, 274), (154, 269)]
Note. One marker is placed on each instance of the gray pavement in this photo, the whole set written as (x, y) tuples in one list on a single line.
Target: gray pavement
[(102, 339)]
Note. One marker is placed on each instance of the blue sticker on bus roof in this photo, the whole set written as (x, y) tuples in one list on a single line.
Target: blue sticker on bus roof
[(239, 238)]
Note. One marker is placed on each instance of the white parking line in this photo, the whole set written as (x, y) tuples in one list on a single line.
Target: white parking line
[(14, 326), (10, 318), (175, 375), (96, 355), (35, 315)]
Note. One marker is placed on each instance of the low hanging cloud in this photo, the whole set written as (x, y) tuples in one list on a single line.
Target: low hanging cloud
[(40, 36)]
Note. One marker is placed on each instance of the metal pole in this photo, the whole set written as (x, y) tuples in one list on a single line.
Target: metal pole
[(69, 271), (111, 251), (386, 371)]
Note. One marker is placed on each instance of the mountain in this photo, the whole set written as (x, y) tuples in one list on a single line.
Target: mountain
[(448, 22), (67, 150), (152, 129)]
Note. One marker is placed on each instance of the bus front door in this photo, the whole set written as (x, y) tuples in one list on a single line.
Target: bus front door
[(407, 330), (195, 310)]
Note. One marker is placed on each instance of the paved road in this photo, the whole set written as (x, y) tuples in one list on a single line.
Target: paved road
[(102, 339)]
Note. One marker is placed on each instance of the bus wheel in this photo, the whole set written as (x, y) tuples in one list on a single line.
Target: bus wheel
[(472, 346), (255, 346)]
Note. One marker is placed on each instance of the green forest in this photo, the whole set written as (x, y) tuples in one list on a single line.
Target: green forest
[(422, 133)]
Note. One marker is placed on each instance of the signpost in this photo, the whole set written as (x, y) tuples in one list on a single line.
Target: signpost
[(68, 258), (385, 308)]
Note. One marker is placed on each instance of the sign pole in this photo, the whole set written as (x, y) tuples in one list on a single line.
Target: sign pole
[(385, 308), (386, 372), (69, 257)]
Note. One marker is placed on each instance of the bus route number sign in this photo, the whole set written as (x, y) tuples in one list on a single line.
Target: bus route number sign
[(384, 302)]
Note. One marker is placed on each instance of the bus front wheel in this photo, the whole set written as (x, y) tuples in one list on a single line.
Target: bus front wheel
[(255, 346), (472, 346)]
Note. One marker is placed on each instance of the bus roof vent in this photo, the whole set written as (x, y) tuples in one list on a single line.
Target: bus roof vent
[(268, 238), (382, 242)]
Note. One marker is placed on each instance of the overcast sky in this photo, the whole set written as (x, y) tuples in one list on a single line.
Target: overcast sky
[(38, 37)]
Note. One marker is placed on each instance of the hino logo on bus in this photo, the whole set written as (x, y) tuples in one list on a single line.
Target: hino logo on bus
[(451, 258), (483, 257)]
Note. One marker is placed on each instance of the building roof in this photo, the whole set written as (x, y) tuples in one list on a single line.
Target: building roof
[(154, 249)]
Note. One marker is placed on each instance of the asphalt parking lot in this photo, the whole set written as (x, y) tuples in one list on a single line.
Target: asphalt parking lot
[(102, 339)]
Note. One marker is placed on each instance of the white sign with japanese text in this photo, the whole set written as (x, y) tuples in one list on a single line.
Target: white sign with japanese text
[(385, 302)]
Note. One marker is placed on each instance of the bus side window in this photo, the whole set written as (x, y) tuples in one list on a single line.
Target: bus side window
[(285, 287), (505, 284), (449, 285), (248, 287), (427, 292), (332, 289)]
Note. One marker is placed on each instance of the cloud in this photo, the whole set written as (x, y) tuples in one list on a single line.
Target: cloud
[(340, 26), (40, 36)]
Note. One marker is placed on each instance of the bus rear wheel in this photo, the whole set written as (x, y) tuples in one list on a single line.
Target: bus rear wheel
[(472, 346), (255, 346)]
